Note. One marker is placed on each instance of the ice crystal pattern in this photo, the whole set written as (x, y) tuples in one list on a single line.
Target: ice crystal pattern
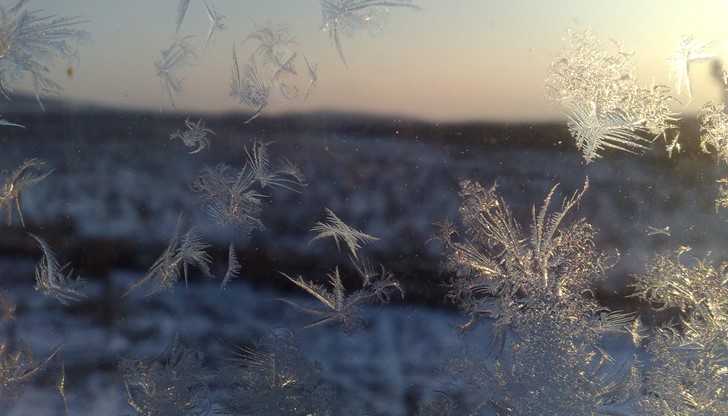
[(51, 280), (249, 89), (30, 41), (231, 197), (335, 306), (216, 23), (271, 70), (592, 74), (312, 78), (344, 17), (714, 138), (195, 136), (594, 131), (337, 229), (284, 174), (273, 378), (233, 269), (182, 251), (18, 363), (688, 371), (4, 122), (175, 386), (688, 53), (15, 183), (535, 285), (181, 12), (714, 130), (178, 55)]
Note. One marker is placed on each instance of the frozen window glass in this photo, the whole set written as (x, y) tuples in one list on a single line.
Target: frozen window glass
[(363, 207)]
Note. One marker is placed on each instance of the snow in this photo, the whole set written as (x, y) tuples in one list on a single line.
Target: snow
[(133, 190)]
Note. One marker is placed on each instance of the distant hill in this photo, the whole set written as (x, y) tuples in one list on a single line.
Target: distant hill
[(106, 121)]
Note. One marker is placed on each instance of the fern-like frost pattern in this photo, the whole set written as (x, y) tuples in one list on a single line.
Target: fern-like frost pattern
[(51, 280), (182, 251), (595, 80), (535, 285), (14, 183), (688, 371), (30, 42)]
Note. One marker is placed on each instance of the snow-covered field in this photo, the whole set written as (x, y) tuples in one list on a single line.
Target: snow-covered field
[(119, 198)]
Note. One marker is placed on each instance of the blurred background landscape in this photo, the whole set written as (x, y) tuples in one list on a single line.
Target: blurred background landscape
[(403, 111), (119, 184)]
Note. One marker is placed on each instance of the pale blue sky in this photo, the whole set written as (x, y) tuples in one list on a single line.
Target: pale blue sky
[(451, 60)]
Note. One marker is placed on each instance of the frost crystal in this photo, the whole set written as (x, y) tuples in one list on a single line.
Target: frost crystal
[(714, 134), (181, 12), (216, 24), (595, 130), (273, 378), (339, 231), (195, 135), (347, 16), (182, 252), (590, 75), (271, 70), (714, 130), (688, 371), (179, 54), (174, 387), (52, 281), (336, 306), (30, 41), (18, 363), (231, 198), (688, 53), (233, 269), (15, 183), (548, 331), (312, 78), (249, 89)]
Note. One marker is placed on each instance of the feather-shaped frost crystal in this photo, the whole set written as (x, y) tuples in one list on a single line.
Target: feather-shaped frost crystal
[(179, 54), (688, 53), (596, 80), (30, 42), (181, 12), (4, 122), (339, 231), (250, 88), (344, 17), (233, 270), (284, 174), (312, 78), (595, 130), (181, 252), (216, 22), (52, 281), (15, 183), (335, 305), (232, 198)]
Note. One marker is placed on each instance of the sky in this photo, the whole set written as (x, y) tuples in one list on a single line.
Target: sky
[(451, 60)]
